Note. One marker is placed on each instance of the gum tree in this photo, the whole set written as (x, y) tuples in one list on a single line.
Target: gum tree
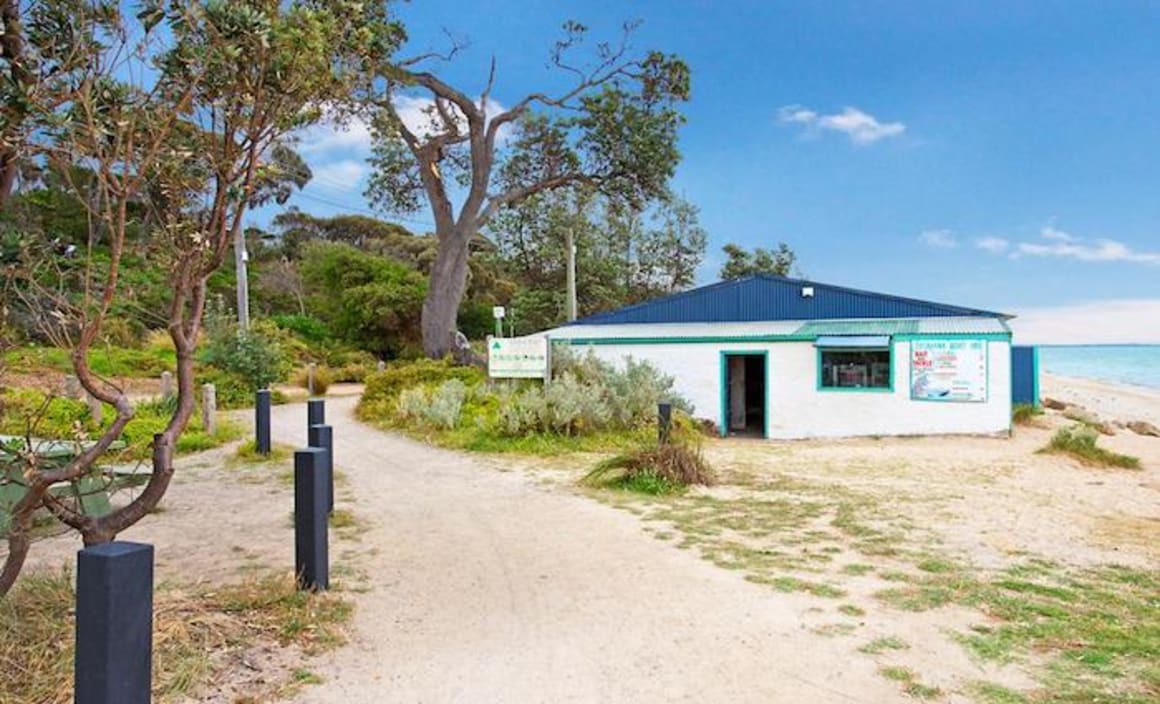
[(175, 135), (613, 129)]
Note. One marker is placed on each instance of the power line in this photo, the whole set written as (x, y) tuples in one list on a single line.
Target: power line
[(363, 211)]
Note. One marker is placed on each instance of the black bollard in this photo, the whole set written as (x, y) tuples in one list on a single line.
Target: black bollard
[(323, 436), (664, 422), (114, 624), (262, 422), (315, 412), (311, 553)]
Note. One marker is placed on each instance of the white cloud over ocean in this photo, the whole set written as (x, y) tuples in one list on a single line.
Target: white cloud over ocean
[(1097, 322), (861, 127)]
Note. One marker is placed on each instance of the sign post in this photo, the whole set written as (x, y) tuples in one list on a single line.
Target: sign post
[(497, 312), (518, 357)]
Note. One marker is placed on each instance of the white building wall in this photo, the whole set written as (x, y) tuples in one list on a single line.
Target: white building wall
[(798, 409)]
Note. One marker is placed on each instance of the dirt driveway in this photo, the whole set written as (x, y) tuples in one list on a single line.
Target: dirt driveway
[(485, 586)]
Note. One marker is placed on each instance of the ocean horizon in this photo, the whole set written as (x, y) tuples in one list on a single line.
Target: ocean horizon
[(1134, 365)]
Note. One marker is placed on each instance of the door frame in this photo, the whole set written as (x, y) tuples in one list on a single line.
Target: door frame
[(723, 364)]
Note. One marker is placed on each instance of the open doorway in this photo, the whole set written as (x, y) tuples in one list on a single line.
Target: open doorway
[(743, 395)]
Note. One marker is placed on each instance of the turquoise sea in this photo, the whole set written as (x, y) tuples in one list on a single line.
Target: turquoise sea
[(1138, 365)]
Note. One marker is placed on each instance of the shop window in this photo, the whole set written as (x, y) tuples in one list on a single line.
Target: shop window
[(854, 369)]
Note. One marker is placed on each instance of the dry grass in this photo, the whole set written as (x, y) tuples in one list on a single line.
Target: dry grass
[(663, 469), (194, 633)]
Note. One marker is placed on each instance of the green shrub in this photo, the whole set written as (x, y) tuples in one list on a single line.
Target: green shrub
[(412, 404), (323, 378), (1079, 441), (306, 327), (446, 404), (255, 355), (383, 388), (33, 412)]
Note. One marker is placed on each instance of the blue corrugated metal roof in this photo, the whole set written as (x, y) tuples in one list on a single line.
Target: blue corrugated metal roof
[(763, 297)]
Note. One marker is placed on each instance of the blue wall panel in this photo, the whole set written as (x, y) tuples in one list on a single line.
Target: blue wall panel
[(1024, 374)]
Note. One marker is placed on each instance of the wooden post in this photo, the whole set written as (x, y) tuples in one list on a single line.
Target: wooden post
[(310, 368), (114, 624), (209, 408), (166, 385), (72, 387), (664, 422)]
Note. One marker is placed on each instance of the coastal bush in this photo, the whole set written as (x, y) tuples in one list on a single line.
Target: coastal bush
[(380, 398), (256, 356), (323, 378), (1079, 441), (446, 404), (590, 404)]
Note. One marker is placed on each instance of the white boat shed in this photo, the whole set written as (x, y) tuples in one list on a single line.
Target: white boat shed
[(774, 357)]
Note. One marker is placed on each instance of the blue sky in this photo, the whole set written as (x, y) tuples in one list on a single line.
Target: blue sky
[(998, 155)]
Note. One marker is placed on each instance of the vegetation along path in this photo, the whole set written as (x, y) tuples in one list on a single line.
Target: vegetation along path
[(486, 586)]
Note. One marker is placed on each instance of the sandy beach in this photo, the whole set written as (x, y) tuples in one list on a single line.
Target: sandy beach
[(1109, 401)]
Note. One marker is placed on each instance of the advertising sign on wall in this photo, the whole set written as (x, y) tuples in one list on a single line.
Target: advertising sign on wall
[(948, 370), (517, 357)]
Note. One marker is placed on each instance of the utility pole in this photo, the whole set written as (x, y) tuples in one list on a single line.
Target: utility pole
[(570, 256), (240, 259)]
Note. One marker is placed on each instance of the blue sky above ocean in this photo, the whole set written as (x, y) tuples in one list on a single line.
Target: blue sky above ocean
[(991, 154)]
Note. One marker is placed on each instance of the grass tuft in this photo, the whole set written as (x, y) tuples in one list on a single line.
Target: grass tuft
[(1025, 413), (1079, 442), (663, 469), (881, 645)]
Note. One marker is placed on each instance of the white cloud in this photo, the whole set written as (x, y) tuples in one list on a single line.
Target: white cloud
[(1098, 322), (861, 127), (1058, 243), (339, 174), (938, 239), (994, 245), (330, 136)]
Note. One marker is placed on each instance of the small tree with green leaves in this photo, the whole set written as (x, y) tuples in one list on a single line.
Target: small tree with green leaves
[(176, 117)]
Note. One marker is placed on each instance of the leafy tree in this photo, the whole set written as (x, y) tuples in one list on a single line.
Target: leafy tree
[(760, 261), (182, 121), (614, 129), (623, 256), (367, 300)]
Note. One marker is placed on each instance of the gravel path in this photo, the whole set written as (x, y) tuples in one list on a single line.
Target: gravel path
[(487, 587)]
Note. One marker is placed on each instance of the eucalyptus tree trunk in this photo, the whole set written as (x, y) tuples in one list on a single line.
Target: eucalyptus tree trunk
[(445, 290)]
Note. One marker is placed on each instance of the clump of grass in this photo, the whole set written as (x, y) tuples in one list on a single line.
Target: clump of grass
[(881, 645), (1079, 442), (663, 469), (190, 632), (247, 453), (1025, 413), (991, 693), (851, 610), (909, 682)]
